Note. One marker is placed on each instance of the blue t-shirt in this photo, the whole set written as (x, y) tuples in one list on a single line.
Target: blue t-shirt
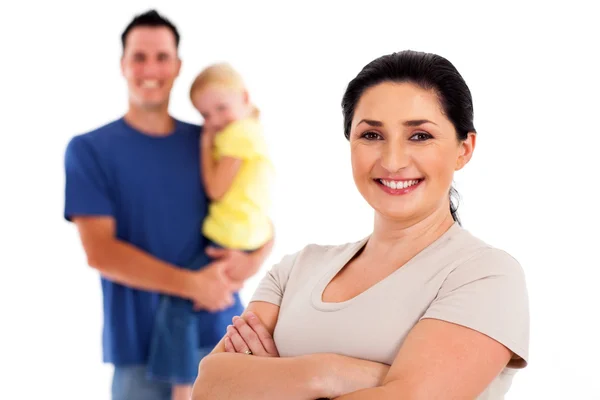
[(152, 187)]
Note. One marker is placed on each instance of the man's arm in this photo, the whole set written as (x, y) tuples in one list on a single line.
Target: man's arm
[(89, 205), (258, 257), (240, 265), (125, 263), (130, 266)]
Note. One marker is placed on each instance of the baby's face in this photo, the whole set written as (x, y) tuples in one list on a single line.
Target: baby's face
[(220, 105)]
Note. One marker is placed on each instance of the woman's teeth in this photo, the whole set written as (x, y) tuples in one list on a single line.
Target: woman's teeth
[(399, 184)]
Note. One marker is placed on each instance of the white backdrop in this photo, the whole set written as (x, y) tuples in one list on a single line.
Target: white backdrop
[(530, 188)]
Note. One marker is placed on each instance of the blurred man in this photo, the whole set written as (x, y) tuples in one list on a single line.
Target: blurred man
[(133, 189)]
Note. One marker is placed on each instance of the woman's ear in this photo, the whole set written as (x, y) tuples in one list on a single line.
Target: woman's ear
[(466, 149)]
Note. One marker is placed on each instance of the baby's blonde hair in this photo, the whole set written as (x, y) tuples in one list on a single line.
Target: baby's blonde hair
[(222, 74)]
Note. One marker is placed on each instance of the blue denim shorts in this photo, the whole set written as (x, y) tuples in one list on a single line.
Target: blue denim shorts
[(131, 383), (183, 336)]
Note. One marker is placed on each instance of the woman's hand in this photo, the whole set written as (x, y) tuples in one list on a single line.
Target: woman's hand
[(249, 334)]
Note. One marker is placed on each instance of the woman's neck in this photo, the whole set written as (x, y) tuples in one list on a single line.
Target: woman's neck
[(396, 239)]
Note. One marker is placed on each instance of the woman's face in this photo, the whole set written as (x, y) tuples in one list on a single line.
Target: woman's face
[(404, 151), (220, 105)]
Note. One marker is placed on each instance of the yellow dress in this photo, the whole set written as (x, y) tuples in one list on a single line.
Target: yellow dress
[(240, 220)]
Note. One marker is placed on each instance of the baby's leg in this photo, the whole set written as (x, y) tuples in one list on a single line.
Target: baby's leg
[(181, 392)]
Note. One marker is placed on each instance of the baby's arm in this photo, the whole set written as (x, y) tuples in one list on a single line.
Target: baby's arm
[(217, 175)]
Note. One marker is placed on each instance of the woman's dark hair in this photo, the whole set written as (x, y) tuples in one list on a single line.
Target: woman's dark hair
[(428, 71)]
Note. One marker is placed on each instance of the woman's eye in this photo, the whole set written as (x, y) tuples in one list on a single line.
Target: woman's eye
[(371, 135), (420, 137)]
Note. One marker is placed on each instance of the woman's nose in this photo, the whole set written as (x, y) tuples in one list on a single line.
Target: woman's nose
[(394, 157)]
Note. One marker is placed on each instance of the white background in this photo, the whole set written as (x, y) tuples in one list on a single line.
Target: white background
[(530, 189)]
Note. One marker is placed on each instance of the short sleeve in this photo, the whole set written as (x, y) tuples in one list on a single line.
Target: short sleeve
[(272, 287), (86, 186), (241, 139), (488, 293)]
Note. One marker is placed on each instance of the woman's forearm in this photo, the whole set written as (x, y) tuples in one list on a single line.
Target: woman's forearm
[(345, 375), (226, 376), (233, 376)]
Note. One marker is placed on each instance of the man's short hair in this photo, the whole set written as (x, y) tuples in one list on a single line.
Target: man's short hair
[(153, 19)]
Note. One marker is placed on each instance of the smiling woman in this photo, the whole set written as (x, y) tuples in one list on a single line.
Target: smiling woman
[(403, 145), (419, 309)]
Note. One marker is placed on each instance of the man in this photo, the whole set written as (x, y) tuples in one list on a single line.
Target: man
[(133, 189)]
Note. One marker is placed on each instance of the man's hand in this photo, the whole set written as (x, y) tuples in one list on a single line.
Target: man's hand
[(212, 288), (238, 265)]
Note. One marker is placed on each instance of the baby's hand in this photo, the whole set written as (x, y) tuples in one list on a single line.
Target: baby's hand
[(209, 130), (208, 135)]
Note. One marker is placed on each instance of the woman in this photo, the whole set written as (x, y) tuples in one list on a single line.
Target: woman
[(420, 309)]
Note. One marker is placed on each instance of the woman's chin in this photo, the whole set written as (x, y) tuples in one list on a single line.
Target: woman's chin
[(397, 215), (396, 212)]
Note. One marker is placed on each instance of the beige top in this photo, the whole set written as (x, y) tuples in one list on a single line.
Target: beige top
[(458, 278)]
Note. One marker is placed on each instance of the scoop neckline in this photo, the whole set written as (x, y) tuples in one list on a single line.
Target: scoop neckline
[(322, 283)]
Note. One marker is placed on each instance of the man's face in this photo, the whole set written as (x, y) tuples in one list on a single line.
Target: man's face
[(150, 65)]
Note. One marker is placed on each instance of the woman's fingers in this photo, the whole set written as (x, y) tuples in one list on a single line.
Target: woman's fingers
[(237, 341), (228, 345), (249, 333), (263, 334), (250, 337)]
